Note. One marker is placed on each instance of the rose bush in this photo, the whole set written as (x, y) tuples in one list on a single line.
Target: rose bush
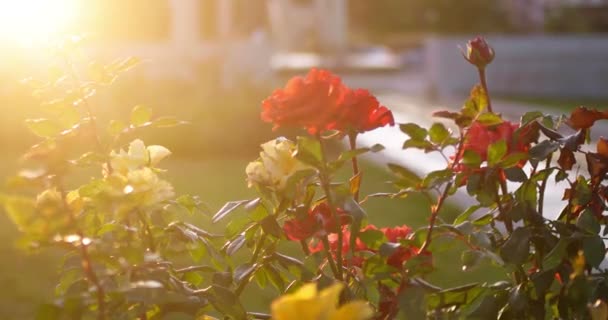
[(129, 255)]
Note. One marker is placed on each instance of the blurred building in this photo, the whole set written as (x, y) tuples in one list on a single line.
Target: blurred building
[(558, 15)]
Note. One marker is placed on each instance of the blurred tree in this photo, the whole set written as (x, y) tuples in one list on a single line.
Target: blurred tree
[(120, 20), (569, 19), (444, 16)]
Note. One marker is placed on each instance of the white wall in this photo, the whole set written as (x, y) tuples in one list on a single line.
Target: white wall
[(542, 66)]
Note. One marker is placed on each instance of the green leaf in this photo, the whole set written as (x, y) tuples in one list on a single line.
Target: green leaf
[(414, 131), (496, 152), (243, 272), (167, 122), (140, 115), (271, 226), (412, 302), (194, 278), (235, 244), (43, 128), (309, 151), (466, 214), (513, 159), (489, 119), (406, 177), (116, 127), (373, 239), (226, 302), (436, 178), (237, 225), (594, 250), (542, 150), (471, 158), (517, 247), (388, 248), (48, 312), (418, 144), (556, 255), (438, 133), (275, 277), (588, 222), (470, 259), (68, 278), (516, 174), (226, 209), (484, 220), (529, 117), (19, 209)]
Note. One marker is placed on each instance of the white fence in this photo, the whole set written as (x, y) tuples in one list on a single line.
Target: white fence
[(530, 66)]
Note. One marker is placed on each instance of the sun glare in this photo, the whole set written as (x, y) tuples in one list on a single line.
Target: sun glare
[(27, 22)]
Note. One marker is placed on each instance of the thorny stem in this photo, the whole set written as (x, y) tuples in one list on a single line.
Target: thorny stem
[(148, 231), (543, 186), (434, 213), (484, 85), (330, 258), (86, 262), (332, 207), (352, 138), (305, 248), (92, 276), (503, 213), (435, 209)]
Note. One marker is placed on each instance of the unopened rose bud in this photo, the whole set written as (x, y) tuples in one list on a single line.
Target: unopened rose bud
[(479, 53)]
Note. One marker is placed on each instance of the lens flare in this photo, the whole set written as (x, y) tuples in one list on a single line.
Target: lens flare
[(28, 22)]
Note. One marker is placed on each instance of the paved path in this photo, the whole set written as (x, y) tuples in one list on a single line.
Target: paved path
[(408, 108)]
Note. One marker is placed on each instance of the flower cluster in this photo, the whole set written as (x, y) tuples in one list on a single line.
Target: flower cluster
[(320, 101), (275, 165), (394, 235), (479, 137), (132, 173), (318, 221)]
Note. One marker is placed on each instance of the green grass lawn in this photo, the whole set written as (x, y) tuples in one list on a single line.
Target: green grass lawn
[(29, 279)]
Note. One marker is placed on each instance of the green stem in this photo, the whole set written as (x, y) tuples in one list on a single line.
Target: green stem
[(484, 85), (543, 186), (434, 213), (330, 258), (325, 181), (352, 138)]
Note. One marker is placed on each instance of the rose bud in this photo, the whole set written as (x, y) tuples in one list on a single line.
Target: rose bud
[(479, 53)]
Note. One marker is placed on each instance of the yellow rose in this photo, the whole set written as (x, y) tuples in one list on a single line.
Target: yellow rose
[(275, 165), (309, 304), (137, 156)]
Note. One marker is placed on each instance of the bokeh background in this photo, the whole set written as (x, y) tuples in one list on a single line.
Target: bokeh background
[(212, 62)]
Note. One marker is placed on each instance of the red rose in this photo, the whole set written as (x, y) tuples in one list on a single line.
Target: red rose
[(479, 137), (395, 234), (311, 102), (318, 220), (479, 53), (361, 111), (320, 101)]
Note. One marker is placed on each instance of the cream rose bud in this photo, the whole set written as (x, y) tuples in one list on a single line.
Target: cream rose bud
[(275, 165)]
